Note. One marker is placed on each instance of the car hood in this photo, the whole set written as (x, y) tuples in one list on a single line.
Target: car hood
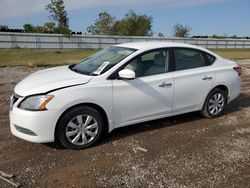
[(50, 79)]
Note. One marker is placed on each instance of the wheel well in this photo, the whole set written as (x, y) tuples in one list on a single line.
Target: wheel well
[(224, 88), (95, 106)]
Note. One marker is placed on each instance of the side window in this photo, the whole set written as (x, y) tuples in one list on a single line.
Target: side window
[(188, 59), (210, 59), (151, 63)]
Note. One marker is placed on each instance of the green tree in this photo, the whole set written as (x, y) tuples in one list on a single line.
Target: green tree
[(219, 36), (160, 34), (4, 27), (215, 36), (49, 27), (103, 25), (181, 30), (134, 25), (59, 15), (234, 37), (39, 29), (29, 28), (131, 25), (121, 28)]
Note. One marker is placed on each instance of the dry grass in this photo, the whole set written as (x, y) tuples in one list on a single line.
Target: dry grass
[(33, 58), (233, 53)]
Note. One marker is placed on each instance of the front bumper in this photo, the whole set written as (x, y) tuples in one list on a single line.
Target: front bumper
[(33, 126)]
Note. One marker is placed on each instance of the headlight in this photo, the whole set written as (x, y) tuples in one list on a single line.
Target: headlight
[(36, 103)]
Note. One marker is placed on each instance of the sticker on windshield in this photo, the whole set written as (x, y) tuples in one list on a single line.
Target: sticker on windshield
[(101, 68)]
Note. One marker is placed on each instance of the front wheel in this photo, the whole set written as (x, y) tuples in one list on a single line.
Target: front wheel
[(81, 127), (215, 103)]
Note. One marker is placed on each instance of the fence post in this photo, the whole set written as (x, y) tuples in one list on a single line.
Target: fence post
[(100, 43), (38, 42), (60, 42), (13, 41), (226, 46), (79, 42)]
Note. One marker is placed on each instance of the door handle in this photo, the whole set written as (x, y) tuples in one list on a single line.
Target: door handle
[(164, 84), (207, 78)]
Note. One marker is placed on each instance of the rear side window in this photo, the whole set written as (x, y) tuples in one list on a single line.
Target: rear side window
[(188, 58), (210, 59)]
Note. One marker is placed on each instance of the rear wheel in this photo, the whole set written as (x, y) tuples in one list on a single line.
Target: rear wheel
[(215, 103), (80, 127)]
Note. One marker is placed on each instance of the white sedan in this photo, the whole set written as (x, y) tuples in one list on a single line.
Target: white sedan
[(118, 86)]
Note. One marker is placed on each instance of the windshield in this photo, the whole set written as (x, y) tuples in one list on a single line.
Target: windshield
[(102, 61)]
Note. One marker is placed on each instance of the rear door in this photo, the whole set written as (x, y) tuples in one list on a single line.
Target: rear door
[(193, 77)]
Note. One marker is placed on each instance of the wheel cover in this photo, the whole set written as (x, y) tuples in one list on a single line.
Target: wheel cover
[(216, 104), (81, 129)]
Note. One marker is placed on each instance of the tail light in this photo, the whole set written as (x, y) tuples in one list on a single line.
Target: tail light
[(238, 70)]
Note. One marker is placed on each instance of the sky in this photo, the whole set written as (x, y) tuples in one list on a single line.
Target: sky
[(205, 17)]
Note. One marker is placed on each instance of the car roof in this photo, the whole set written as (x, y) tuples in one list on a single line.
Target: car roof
[(158, 44)]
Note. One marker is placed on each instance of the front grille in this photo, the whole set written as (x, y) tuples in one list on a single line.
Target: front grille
[(25, 131), (14, 98)]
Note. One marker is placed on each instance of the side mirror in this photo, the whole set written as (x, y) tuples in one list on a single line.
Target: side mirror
[(126, 74)]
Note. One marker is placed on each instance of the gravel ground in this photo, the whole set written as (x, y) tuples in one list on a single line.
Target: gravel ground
[(181, 151)]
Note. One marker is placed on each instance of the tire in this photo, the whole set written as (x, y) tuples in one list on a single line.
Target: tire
[(80, 128), (216, 109)]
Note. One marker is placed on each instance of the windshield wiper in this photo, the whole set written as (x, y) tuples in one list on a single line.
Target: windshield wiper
[(79, 71), (93, 74), (101, 68)]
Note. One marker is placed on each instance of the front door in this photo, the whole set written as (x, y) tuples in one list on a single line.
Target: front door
[(149, 95)]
